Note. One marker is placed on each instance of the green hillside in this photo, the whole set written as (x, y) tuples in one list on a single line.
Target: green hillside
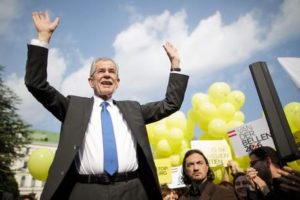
[(44, 136)]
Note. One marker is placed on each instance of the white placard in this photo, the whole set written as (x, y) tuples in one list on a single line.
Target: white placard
[(176, 178), (216, 151), (244, 136)]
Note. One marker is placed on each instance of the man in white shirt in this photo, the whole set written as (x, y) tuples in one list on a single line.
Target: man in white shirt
[(78, 170)]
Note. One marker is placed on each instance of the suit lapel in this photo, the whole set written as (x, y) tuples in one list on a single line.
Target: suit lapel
[(134, 121), (87, 111)]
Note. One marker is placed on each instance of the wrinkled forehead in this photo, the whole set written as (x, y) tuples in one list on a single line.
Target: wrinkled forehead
[(194, 158), (103, 63)]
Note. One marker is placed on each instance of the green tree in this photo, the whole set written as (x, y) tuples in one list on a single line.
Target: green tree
[(14, 134)]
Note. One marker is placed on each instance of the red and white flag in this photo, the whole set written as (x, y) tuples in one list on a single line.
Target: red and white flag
[(231, 133)]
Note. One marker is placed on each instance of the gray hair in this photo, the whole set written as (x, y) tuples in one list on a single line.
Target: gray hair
[(93, 66)]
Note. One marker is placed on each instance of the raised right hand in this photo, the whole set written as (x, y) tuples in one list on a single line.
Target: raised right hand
[(44, 26)]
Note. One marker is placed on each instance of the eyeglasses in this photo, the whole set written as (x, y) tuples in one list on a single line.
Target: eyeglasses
[(238, 183), (253, 162)]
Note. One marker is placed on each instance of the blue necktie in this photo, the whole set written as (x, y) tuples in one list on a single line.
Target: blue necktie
[(109, 143)]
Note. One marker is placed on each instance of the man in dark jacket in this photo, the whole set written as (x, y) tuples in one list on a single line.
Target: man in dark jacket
[(198, 177), (80, 169), (266, 176)]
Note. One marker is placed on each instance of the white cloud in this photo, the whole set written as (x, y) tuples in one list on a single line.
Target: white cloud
[(56, 67), (213, 45), (286, 24), (10, 10), (210, 46), (133, 14), (30, 110), (77, 82)]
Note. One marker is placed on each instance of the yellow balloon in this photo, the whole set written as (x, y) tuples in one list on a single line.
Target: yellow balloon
[(176, 120), (150, 132), (185, 144), (243, 161), (239, 116), (39, 163), (203, 124), (233, 124), (190, 125), (206, 110), (217, 128), (226, 111), (175, 160), (218, 92), (295, 165), (199, 98), (206, 136), (160, 131), (175, 138), (191, 115), (292, 112), (163, 149), (237, 98), (297, 139), (218, 171)]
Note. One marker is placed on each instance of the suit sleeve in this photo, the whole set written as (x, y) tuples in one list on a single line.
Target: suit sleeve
[(171, 103), (37, 84)]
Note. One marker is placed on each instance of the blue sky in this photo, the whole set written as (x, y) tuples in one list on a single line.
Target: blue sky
[(217, 40)]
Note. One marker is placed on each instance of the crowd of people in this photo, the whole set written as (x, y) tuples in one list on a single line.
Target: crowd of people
[(266, 178)]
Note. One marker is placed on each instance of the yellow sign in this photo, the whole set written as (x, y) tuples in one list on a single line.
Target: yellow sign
[(163, 167)]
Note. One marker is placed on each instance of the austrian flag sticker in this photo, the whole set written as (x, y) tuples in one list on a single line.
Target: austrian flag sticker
[(231, 133)]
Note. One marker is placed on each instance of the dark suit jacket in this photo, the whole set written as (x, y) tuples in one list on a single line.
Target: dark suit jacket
[(74, 113), (213, 192)]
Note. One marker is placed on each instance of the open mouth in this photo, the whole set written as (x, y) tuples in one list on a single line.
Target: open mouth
[(106, 83)]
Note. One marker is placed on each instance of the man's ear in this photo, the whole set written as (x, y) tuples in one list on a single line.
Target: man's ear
[(90, 79), (118, 83)]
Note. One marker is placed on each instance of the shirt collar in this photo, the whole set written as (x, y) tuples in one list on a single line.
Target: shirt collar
[(98, 101)]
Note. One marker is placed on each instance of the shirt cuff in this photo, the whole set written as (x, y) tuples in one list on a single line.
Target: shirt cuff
[(175, 72), (37, 42)]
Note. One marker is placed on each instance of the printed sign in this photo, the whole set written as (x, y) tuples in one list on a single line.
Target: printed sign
[(163, 167), (176, 178), (216, 151), (244, 136)]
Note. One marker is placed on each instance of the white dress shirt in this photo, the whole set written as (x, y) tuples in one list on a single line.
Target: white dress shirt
[(90, 156)]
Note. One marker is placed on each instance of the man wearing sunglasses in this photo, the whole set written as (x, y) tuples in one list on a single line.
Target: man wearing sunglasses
[(265, 175)]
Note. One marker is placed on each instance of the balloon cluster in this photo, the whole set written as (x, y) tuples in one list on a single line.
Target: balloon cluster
[(168, 138), (292, 113), (216, 112), (39, 163)]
